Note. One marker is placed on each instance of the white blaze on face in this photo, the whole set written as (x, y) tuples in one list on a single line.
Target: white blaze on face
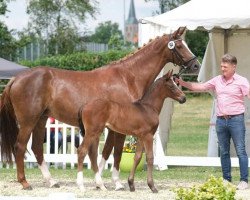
[(185, 44), (174, 82)]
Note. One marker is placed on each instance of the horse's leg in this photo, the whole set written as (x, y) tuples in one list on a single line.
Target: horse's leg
[(93, 154), (119, 143), (20, 148), (37, 148), (137, 159), (107, 149), (148, 145), (82, 151)]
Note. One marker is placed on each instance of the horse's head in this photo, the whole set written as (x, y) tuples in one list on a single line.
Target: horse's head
[(171, 89), (181, 54)]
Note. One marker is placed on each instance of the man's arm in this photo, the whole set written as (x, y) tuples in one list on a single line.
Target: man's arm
[(191, 85)]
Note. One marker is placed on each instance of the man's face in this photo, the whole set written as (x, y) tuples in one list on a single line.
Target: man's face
[(227, 69)]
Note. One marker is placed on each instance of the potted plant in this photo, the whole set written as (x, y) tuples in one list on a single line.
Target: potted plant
[(128, 154)]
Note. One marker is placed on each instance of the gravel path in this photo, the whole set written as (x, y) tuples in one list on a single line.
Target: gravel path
[(12, 188)]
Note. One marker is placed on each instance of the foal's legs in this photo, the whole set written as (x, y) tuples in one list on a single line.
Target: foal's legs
[(93, 154), (119, 143), (82, 151), (115, 140), (37, 148), (107, 149), (137, 159), (148, 145)]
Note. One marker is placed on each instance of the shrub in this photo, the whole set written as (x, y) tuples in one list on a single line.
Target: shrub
[(78, 61), (213, 189)]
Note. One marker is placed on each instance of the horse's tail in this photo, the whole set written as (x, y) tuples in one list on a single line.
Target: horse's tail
[(81, 126), (8, 125)]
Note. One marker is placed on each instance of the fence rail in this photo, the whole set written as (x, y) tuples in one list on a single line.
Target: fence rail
[(66, 155), (38, 49)]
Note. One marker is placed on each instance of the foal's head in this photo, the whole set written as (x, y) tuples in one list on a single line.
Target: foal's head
[(171, 89)]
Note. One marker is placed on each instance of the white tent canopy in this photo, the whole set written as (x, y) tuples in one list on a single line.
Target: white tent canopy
[(207, 14), (228, 23)]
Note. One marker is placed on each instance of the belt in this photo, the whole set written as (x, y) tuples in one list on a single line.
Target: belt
[(229, 116)]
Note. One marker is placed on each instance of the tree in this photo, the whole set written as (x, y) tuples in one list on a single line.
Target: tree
[(68, 38), (115, 42), (52, 18), (7, 41), (166, 5), (3, 7), (108, 33), (197, 41)]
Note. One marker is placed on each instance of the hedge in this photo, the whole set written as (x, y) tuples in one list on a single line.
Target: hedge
[(78, 61)]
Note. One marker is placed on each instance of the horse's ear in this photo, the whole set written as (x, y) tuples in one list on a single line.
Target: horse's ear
[(169, 74), (179, 32)]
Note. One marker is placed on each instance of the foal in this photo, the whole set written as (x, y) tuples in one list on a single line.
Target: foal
[(141, 117)]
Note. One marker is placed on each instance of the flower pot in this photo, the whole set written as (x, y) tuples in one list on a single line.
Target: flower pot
[(127, 162)]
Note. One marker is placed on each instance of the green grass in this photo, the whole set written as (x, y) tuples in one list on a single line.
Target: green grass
[(175, 174), (190, 125)]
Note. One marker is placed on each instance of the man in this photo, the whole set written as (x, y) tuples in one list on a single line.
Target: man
[(230, 89)]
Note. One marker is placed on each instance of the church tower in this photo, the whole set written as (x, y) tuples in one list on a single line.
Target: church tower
[(131, 25)]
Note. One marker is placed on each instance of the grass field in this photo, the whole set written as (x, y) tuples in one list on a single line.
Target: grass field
[(190, 125)]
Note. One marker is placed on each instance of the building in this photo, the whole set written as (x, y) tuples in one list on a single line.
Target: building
[(131, 25)]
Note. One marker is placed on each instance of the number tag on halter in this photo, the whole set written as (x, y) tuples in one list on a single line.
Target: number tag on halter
[(171, 45)]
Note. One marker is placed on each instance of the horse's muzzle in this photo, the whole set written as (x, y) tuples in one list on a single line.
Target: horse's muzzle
[(195, 68), (182, 100)]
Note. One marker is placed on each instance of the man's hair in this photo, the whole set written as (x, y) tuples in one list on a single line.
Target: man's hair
[(228, 58)]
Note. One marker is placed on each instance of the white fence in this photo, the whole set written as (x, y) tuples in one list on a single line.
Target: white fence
[(66, 155)]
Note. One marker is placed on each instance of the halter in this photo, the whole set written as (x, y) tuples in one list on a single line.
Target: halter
[(184, 67)]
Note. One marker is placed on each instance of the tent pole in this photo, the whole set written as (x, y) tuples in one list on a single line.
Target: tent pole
[(226, 31)]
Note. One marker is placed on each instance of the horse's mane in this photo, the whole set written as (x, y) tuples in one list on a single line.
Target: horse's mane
[(138, 50)]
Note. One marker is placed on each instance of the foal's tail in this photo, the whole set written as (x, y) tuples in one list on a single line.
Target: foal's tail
[(8, 125), (81, 126)]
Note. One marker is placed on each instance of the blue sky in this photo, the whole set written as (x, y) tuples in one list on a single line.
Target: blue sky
[(109, 10)]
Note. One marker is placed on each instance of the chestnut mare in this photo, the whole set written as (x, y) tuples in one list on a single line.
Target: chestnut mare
[(141, 117), (35, 94)]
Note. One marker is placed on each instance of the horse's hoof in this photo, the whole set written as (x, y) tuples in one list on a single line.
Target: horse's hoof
[(28, 188), (55, 186), (103, 188), (131, 188), (154, 190), (82, 188), (119, 187), (131, 185)]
